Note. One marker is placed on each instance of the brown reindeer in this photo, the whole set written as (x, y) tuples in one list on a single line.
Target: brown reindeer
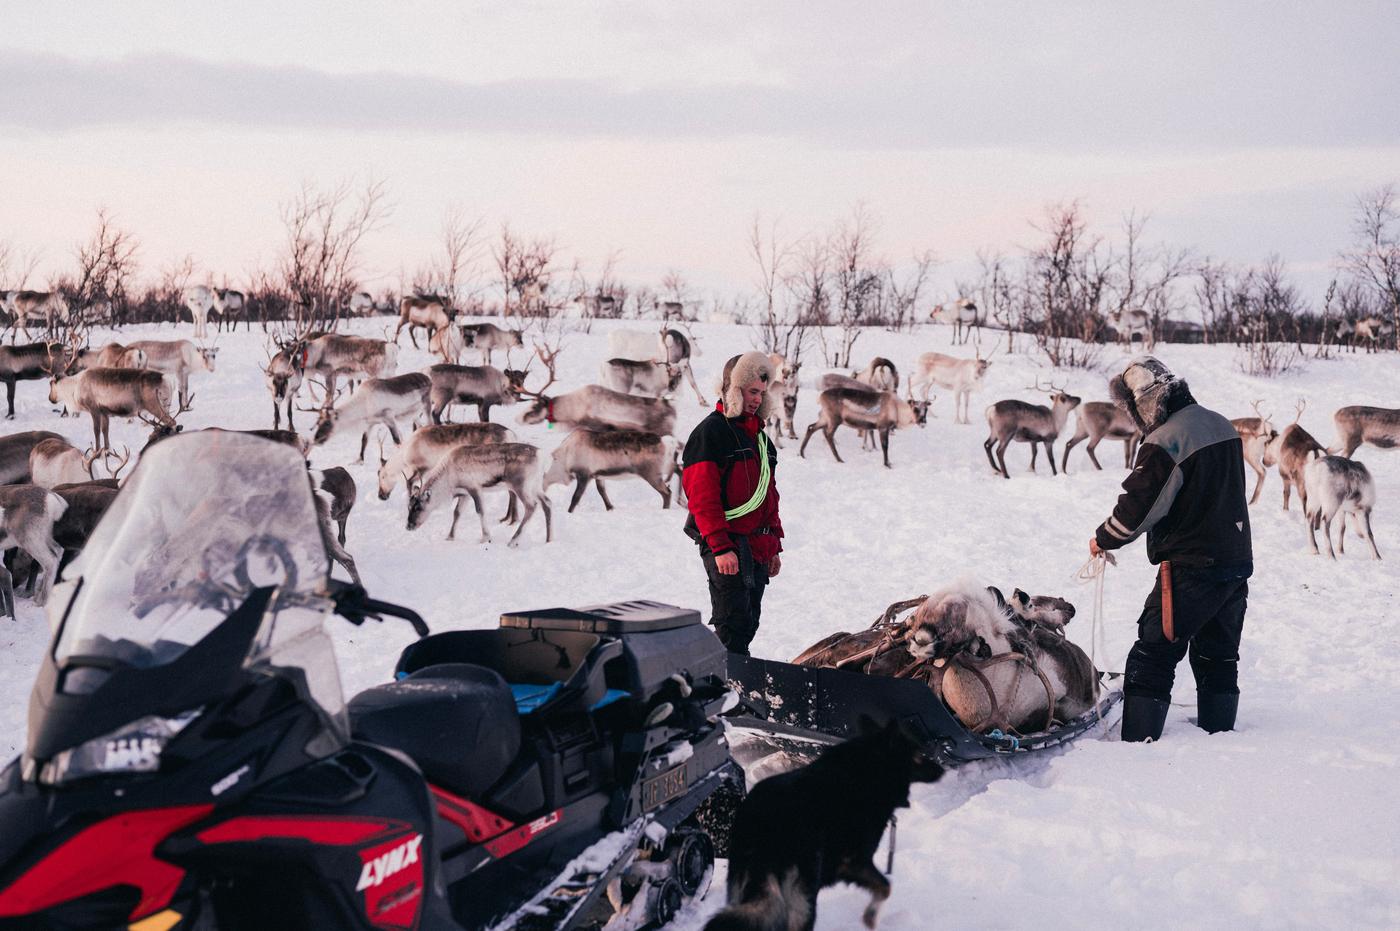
[(589, 455), (482, 385), (104, 393), (431, 313), (1292, 449), (1097, 420), (468, 470), (1379, 426), (28, 514), (863, 409), (428, 446), (1027, 423)]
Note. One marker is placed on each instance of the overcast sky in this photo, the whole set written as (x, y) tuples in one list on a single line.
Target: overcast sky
[(659, 130)]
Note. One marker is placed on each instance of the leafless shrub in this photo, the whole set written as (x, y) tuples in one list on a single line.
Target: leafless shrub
[(1374, 257), (525, 267), (1266, 307), (324, 231)]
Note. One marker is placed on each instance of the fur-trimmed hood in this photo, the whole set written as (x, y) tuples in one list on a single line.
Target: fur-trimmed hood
[(1148, 391), (740, 371)]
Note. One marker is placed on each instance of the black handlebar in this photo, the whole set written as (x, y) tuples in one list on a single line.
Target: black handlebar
[(355, 605)]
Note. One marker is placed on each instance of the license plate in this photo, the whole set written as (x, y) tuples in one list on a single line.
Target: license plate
[(659, 790)]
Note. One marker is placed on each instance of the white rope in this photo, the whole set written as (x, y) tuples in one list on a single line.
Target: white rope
[(1092, 572)]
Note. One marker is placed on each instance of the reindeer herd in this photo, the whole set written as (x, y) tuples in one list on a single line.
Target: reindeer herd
[(53, 493)]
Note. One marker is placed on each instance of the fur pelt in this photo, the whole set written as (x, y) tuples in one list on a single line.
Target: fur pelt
[(744, 370), (1149, 392)]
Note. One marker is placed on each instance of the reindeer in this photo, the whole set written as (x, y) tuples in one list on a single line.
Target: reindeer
[(483, 386), (104, 393), (784, 406), (16, 451), (283, 378), (864, 409), (361, 304), (29, 362), (838, 380), (230, 305), (447, 343), (56, 462), (112, 356), (1129, 323), (49, 307), (377, 400), (1333, 484), (332, 355), (1371, 331), (597, 408), (880, 374), (590, 455), (467, 470), (200, 299), (786, 369), (427, 446), (1256, 433), (960, 376), (177, 358), (668, 346), (1027, 423), (487, 338), (27, 517), (963, 314), (648, 379), (1379, 426), (339, 488), (1292, 449), (1096, 420), (430, 313)]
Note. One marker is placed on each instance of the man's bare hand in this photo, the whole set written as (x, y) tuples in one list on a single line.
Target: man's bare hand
[(775, 565), (727, 563), (1094, 548)]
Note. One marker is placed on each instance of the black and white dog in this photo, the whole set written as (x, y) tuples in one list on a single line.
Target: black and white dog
[(801, 831)]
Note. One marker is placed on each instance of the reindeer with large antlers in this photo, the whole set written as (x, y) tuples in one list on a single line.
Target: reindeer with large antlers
[(1027, 423), (1293, 449), (104, 393), (596, 408)]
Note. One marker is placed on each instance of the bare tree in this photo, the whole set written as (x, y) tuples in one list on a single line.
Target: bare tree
[(324, 234), (996, 292), (16, 266), (1374, 257), (1145, 278), (1266, 308), (902, 295), (463, 247), (857, 278), (107, 263), (525, 268), (1065, 282)]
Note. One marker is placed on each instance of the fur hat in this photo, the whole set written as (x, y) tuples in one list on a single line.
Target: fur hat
[(741, 371), (1149, 392)]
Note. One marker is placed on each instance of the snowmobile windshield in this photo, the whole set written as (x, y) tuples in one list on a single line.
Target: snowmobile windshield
[(205, 520)]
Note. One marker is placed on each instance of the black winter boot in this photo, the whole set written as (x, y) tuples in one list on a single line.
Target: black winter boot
[(1143, 718), (1215, 711)]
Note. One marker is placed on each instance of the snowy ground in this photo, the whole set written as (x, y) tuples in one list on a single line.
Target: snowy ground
[(1292, 820)]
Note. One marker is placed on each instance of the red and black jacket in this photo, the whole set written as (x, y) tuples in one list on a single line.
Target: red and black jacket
[(721, 472)]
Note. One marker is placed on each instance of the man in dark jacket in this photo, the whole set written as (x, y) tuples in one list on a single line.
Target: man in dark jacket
[(1186, 492), (732, 495)]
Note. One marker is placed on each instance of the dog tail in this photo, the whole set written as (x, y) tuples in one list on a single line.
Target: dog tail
[(780, 905)]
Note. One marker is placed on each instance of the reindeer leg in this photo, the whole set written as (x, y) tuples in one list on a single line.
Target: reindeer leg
[(1001, 457), (987, 448), (802, 450), (524, 519), (7, 593), (511, 513), (1366, 522), (1287, 487), (1313, 521), (480, 512), (1050, 454), (10, 400), (1035, 448), (829, 434), (602, 492), (437, 412), (364, 441), (483, 412), (1064, 460), (885, 445), (1327, 532), (340, 521), (548, 518), (1342, 533), (579, 489), (411, 338), (1092, 458), (660, 487), (456, 513), (290, 425)]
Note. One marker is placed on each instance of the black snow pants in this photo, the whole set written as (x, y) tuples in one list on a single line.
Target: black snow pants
[(1208, 606), (735, 600)]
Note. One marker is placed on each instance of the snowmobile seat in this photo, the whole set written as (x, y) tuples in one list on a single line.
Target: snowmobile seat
[(457, 721)]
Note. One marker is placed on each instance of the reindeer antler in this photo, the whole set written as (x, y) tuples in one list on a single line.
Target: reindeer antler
[(1299, 407), (124, 459)]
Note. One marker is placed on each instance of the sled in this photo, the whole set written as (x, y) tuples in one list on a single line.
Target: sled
[(783, 706)]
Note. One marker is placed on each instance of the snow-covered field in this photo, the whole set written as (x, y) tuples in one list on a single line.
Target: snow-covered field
[(1291, 820)]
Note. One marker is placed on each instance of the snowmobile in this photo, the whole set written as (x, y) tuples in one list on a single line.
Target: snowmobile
[(191, 762)]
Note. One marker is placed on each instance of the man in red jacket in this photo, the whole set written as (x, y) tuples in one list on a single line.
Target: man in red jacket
[(733, 500)]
